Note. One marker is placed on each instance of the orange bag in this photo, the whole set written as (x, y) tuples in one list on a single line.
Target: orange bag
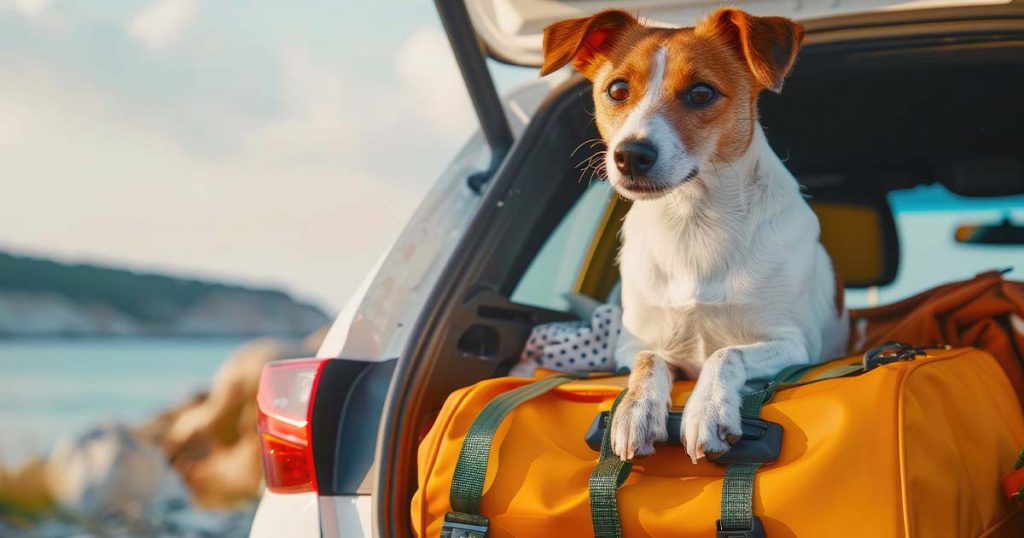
[(915, 448)]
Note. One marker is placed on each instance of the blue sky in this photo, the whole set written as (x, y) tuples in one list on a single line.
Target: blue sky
[(265, 142)]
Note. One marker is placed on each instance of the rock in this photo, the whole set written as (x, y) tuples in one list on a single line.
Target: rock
[(23, 491), (105, 470), (115, 480), (214, 443)]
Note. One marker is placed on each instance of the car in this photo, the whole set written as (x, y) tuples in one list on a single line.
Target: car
[(895, 110)]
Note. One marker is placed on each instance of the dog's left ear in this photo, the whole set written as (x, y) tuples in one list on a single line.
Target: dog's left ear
[(768, 44)]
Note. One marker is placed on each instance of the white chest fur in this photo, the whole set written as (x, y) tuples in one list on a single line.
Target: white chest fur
[(740, 262)]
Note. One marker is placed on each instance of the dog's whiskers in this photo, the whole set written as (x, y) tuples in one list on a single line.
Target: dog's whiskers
[(594, 163), (594, 142)]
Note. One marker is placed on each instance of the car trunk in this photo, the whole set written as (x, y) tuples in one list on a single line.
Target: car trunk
[(876, 102)]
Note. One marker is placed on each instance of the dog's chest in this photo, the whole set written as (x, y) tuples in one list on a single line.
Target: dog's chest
[(684, 315)]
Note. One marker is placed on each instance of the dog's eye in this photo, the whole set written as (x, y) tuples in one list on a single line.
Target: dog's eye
[(701, 95), (618, 90)]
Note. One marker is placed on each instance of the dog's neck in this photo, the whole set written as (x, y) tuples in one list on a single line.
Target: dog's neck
[(722, 210)]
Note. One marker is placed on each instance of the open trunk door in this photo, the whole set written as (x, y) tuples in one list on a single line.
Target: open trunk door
[(512, 30)]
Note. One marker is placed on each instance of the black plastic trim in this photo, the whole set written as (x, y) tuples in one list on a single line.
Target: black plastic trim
[(346, 418)]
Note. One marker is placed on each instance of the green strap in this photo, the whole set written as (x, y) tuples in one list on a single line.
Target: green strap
[(605, 480), (738, 483), (842, 370), (738, 496), (471, 467)]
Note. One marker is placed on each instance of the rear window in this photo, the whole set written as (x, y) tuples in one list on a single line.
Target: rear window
[(926, 220), (555, 268)]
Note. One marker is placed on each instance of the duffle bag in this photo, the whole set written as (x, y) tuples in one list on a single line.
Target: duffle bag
[(902, 441)]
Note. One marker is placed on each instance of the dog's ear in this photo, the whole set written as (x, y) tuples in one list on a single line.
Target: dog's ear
[(768, 44), (583, 41)]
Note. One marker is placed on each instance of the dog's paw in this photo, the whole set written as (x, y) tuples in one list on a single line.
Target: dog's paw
[(711, 422), (639, 422)]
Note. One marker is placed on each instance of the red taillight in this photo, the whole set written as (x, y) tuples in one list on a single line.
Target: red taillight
[(285, 402)]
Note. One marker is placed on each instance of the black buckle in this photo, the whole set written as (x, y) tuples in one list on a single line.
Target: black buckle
[(461, 529), (756, 530), (890, 352), (761, 441)]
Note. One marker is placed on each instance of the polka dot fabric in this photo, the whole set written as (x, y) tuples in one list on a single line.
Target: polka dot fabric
[(574, 346)]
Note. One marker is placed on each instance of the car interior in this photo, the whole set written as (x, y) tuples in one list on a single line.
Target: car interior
[(854, 122)]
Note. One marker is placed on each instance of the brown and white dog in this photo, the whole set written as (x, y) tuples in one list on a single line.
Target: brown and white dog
[(723, 275)]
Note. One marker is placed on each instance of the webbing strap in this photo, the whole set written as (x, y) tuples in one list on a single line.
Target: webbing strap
[(605, 480), (738, 483), (471, 467), (737, 496)]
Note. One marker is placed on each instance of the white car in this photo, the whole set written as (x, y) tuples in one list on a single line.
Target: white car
[(886, 95)]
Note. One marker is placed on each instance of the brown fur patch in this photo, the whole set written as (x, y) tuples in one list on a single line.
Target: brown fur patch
[(736, 53)]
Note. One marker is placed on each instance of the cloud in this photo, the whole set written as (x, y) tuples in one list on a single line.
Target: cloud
[(29, 8), (406, 127), (431, 79), (161, 23), (266, 154), (316, 120)]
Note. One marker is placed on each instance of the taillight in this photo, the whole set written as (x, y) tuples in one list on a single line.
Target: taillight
[(285, 402)]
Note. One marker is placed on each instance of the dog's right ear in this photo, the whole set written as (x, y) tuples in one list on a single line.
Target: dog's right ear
[(768, 44), (583, 41)]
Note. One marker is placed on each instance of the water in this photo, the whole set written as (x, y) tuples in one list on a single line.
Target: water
[(52, 387)]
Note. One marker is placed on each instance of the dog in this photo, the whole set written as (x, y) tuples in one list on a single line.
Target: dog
[(724, 278)]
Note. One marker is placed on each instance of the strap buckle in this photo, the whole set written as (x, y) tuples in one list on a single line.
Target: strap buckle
[(756, 530), (455, 526), (890, 352)]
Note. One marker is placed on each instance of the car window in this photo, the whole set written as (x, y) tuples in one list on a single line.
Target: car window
[(554, 269), (926, 219)]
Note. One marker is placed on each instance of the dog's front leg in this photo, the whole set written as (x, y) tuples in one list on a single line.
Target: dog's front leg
[(711, 418), (639, 421)]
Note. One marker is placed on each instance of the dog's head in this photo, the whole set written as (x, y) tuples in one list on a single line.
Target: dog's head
[(671, 102)]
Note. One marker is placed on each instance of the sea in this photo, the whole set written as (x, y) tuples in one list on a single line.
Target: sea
[(54, 387)]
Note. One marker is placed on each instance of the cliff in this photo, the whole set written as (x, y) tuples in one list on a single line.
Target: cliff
[(46, 298)]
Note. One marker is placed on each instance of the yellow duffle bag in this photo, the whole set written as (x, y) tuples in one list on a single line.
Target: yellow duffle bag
[(901, 442)]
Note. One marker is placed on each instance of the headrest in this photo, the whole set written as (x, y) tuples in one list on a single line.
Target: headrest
[(859, 234)]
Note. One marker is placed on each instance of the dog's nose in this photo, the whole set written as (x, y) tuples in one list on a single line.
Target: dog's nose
[(635, 157)]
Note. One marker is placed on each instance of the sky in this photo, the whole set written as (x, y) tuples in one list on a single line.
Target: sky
[(274, 144)]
